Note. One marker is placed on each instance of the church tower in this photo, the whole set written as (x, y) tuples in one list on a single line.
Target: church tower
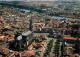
[(30, 25)]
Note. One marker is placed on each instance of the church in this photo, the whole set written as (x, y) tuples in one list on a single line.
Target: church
[(23, 40)]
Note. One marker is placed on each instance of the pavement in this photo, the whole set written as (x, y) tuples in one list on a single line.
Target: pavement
[(51, 53), (60, 49), (45, 47)]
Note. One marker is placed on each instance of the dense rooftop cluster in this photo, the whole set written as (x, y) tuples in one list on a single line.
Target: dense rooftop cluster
[(33, 34)]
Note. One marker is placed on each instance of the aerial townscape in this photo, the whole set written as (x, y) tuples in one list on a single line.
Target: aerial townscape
[(40, 28)]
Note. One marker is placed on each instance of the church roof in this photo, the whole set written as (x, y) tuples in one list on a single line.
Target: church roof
[(19, 37), (26, 33)]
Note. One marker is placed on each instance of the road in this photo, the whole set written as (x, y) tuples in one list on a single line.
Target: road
[(60, 49), (52, 50), (45, 47), (47, 41)]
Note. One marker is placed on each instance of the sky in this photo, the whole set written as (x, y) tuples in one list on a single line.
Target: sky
[(39, 0)]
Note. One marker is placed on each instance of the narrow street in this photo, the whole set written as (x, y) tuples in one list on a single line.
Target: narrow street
[(60, 49), (45, 47)]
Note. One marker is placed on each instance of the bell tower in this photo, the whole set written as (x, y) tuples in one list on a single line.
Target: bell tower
[(30, 25)]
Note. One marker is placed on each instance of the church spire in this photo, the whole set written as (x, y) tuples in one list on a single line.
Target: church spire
[(30, 25)]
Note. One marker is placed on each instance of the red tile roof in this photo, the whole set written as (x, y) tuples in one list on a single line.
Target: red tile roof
[(1, 56), (39, 23), (68, 37), (31, 52), (42, 42), (30, 46), (10, 37), (26, 55), (2, 37), (34, 44)]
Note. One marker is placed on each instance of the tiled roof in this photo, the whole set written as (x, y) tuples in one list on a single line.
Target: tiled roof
[(10, 37), (26, 55), (30, 46), (42, 42), (34, 44), (0, 55), (68, 37), (31, 52)]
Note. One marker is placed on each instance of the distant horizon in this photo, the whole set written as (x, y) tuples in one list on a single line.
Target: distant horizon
[(39, 0)]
